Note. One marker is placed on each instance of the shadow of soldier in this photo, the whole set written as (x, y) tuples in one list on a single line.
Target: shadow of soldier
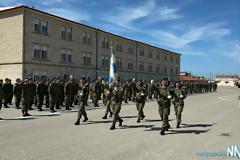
[(196, 125), (136, 126), (187, 131)]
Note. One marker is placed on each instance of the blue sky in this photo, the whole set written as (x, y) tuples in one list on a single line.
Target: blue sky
[(205, 32)]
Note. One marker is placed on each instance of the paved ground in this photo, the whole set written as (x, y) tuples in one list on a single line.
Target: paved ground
[(210, 123)]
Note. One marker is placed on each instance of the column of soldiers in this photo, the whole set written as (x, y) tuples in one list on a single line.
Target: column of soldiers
[(58, 93)]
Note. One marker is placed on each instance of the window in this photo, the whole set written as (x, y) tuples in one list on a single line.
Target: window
[(66, 55), (158, 68), (149, 67), (69, 55), (130, 49), (44, 27), (150, 54), (130, 64), (141, 66), (119, 62), (44, 53), (36, 51), (165, 58), (69, 34), (87, 56), (119, 46), (37, 26), (141, 51), (105, 43), (105, 61), (40, 52), (158, 56), (171, 59), (63, 56), (40, 26), (63, 32), (87, 38)]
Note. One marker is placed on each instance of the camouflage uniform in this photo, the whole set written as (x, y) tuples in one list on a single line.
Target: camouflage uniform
[(178, 102), (42, 90), (107, 95), (1, 93), (17, 91), (116, 92), (82, 96), (70, 92), (27, 97), (164, 97), (140, 99)]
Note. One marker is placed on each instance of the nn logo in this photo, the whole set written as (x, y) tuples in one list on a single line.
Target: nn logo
[(233, 151)]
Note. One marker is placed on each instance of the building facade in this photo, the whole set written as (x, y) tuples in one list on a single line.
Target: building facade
[(41, 45), (227, 80)]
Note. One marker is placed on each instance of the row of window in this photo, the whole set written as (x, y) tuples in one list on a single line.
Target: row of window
[(66, 32)]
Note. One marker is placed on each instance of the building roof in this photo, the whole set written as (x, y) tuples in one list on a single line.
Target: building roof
[(227, 76), (6, 9)]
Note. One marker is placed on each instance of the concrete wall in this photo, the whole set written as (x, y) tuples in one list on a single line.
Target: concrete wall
[(11, 44)]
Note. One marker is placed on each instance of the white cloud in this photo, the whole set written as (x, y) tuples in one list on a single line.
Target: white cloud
[(70, 14), (212, 31), (165, 13)]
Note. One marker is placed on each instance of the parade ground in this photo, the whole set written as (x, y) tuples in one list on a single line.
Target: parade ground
[(210, 124)]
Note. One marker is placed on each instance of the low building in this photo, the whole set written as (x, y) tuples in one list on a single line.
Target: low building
[(227, 80), (41, 45)]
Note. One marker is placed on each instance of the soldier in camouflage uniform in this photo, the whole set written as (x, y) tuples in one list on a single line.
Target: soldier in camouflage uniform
[(178, 102), (133, 88), (140, 99), (7, 92), (27, 96), (107, 95), (42, 90), (82, 95), (53, 92), (1, 93), (126, 91), (165, 101), (70, 92), (17, 91), (96, 92), (116, 92)]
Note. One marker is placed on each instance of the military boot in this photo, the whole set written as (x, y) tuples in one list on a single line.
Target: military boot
[(111, 114), (138, 120), (113, 126), (77, 122), (178, 125), (120, 122), (85, 119), (105, 116), (162, 132)]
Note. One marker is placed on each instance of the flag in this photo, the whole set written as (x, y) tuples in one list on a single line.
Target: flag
[(112, 72)]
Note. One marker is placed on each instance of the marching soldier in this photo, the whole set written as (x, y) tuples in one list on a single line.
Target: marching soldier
[(107, 95), (178, 102), (165, 101), (17, 91), (96, 92), (83, 96), (116, 101), (126, 89), (133, 88), (27, 96), (140, 99)]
